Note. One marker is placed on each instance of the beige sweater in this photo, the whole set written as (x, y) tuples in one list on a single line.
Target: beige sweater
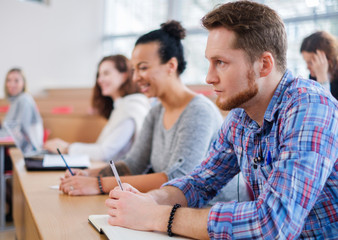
[(120, 131)]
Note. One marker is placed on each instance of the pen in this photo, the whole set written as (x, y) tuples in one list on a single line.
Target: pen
[(268, 159), (70, 170), (116, 174)]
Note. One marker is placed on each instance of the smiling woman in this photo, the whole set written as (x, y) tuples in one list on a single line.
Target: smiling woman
[(116, 98), (177, 131)]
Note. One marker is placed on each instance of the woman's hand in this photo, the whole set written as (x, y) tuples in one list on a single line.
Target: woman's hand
[(320, 66), (79, 185), (53, 144), (77, 172)]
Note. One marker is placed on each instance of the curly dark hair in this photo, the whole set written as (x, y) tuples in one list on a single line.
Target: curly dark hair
[(169, 36), (105, 104)]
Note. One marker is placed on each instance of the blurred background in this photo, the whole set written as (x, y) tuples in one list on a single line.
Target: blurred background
[(58, 43)]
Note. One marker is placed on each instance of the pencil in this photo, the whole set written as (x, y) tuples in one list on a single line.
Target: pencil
[(70, 170)]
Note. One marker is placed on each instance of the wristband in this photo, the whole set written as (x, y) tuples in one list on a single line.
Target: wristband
[(171, 219), (100, 184)]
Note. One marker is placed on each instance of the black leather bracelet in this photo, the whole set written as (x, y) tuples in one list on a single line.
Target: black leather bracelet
[(171, 219), (100, 184)]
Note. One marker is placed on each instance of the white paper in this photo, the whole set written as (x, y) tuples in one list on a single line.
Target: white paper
[(114, 232), (54, 187), (100, 222), (51, 160)]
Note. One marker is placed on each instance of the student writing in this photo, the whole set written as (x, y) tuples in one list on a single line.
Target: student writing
[(295, 196)]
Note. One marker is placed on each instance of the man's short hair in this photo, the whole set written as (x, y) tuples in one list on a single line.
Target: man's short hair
[(257, 28)]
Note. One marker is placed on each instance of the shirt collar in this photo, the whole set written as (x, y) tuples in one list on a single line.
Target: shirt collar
[(273, 106), (278, 96)]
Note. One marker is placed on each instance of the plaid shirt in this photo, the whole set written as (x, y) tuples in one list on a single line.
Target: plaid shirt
[(296, 194)]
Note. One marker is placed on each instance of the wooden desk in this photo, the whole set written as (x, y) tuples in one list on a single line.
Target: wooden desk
[(43, 213), (3, 177), (78, 125)]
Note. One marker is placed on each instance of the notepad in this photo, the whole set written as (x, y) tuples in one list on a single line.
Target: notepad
[(100, 223), (74, 161)]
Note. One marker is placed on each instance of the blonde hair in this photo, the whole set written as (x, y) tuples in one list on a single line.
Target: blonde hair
[(17, 70)]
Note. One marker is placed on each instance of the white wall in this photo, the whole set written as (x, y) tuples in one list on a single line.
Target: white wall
[(57, 45)]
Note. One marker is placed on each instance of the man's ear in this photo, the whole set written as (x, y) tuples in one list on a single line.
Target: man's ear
[(172, 65), (267, 63)]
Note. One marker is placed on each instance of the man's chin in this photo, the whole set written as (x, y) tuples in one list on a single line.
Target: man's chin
[(237, 101), (224, 105)]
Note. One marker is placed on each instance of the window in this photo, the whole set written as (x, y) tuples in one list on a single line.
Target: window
[(126, 20), (37, 1)]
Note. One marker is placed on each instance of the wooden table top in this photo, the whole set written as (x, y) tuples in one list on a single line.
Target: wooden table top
[(56, 215)]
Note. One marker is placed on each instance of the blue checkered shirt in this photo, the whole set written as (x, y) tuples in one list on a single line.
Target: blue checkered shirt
[(296, 190)]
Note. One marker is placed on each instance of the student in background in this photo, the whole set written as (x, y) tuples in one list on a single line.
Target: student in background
[(177, 131), (22, 110), (281, 133), (320, 52), (118, 99)]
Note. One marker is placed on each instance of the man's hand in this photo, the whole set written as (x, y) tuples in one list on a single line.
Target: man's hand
[(133, 209)]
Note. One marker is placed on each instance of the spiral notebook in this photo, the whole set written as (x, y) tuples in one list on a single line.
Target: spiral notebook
[(100, 223)]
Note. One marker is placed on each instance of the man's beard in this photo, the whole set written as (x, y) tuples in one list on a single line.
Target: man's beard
[(243, 96)]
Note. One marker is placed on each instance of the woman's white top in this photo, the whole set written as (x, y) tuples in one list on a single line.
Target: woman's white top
[(118, 135)]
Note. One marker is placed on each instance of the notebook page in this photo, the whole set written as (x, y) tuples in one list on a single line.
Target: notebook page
[(99, 221), (114, 232), (51, 160)]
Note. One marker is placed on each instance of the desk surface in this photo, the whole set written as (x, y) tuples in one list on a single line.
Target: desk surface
[(4, 141), (55, 215)]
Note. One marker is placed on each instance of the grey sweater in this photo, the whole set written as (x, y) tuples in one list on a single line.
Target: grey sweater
[(178, 150), (23, 110)]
